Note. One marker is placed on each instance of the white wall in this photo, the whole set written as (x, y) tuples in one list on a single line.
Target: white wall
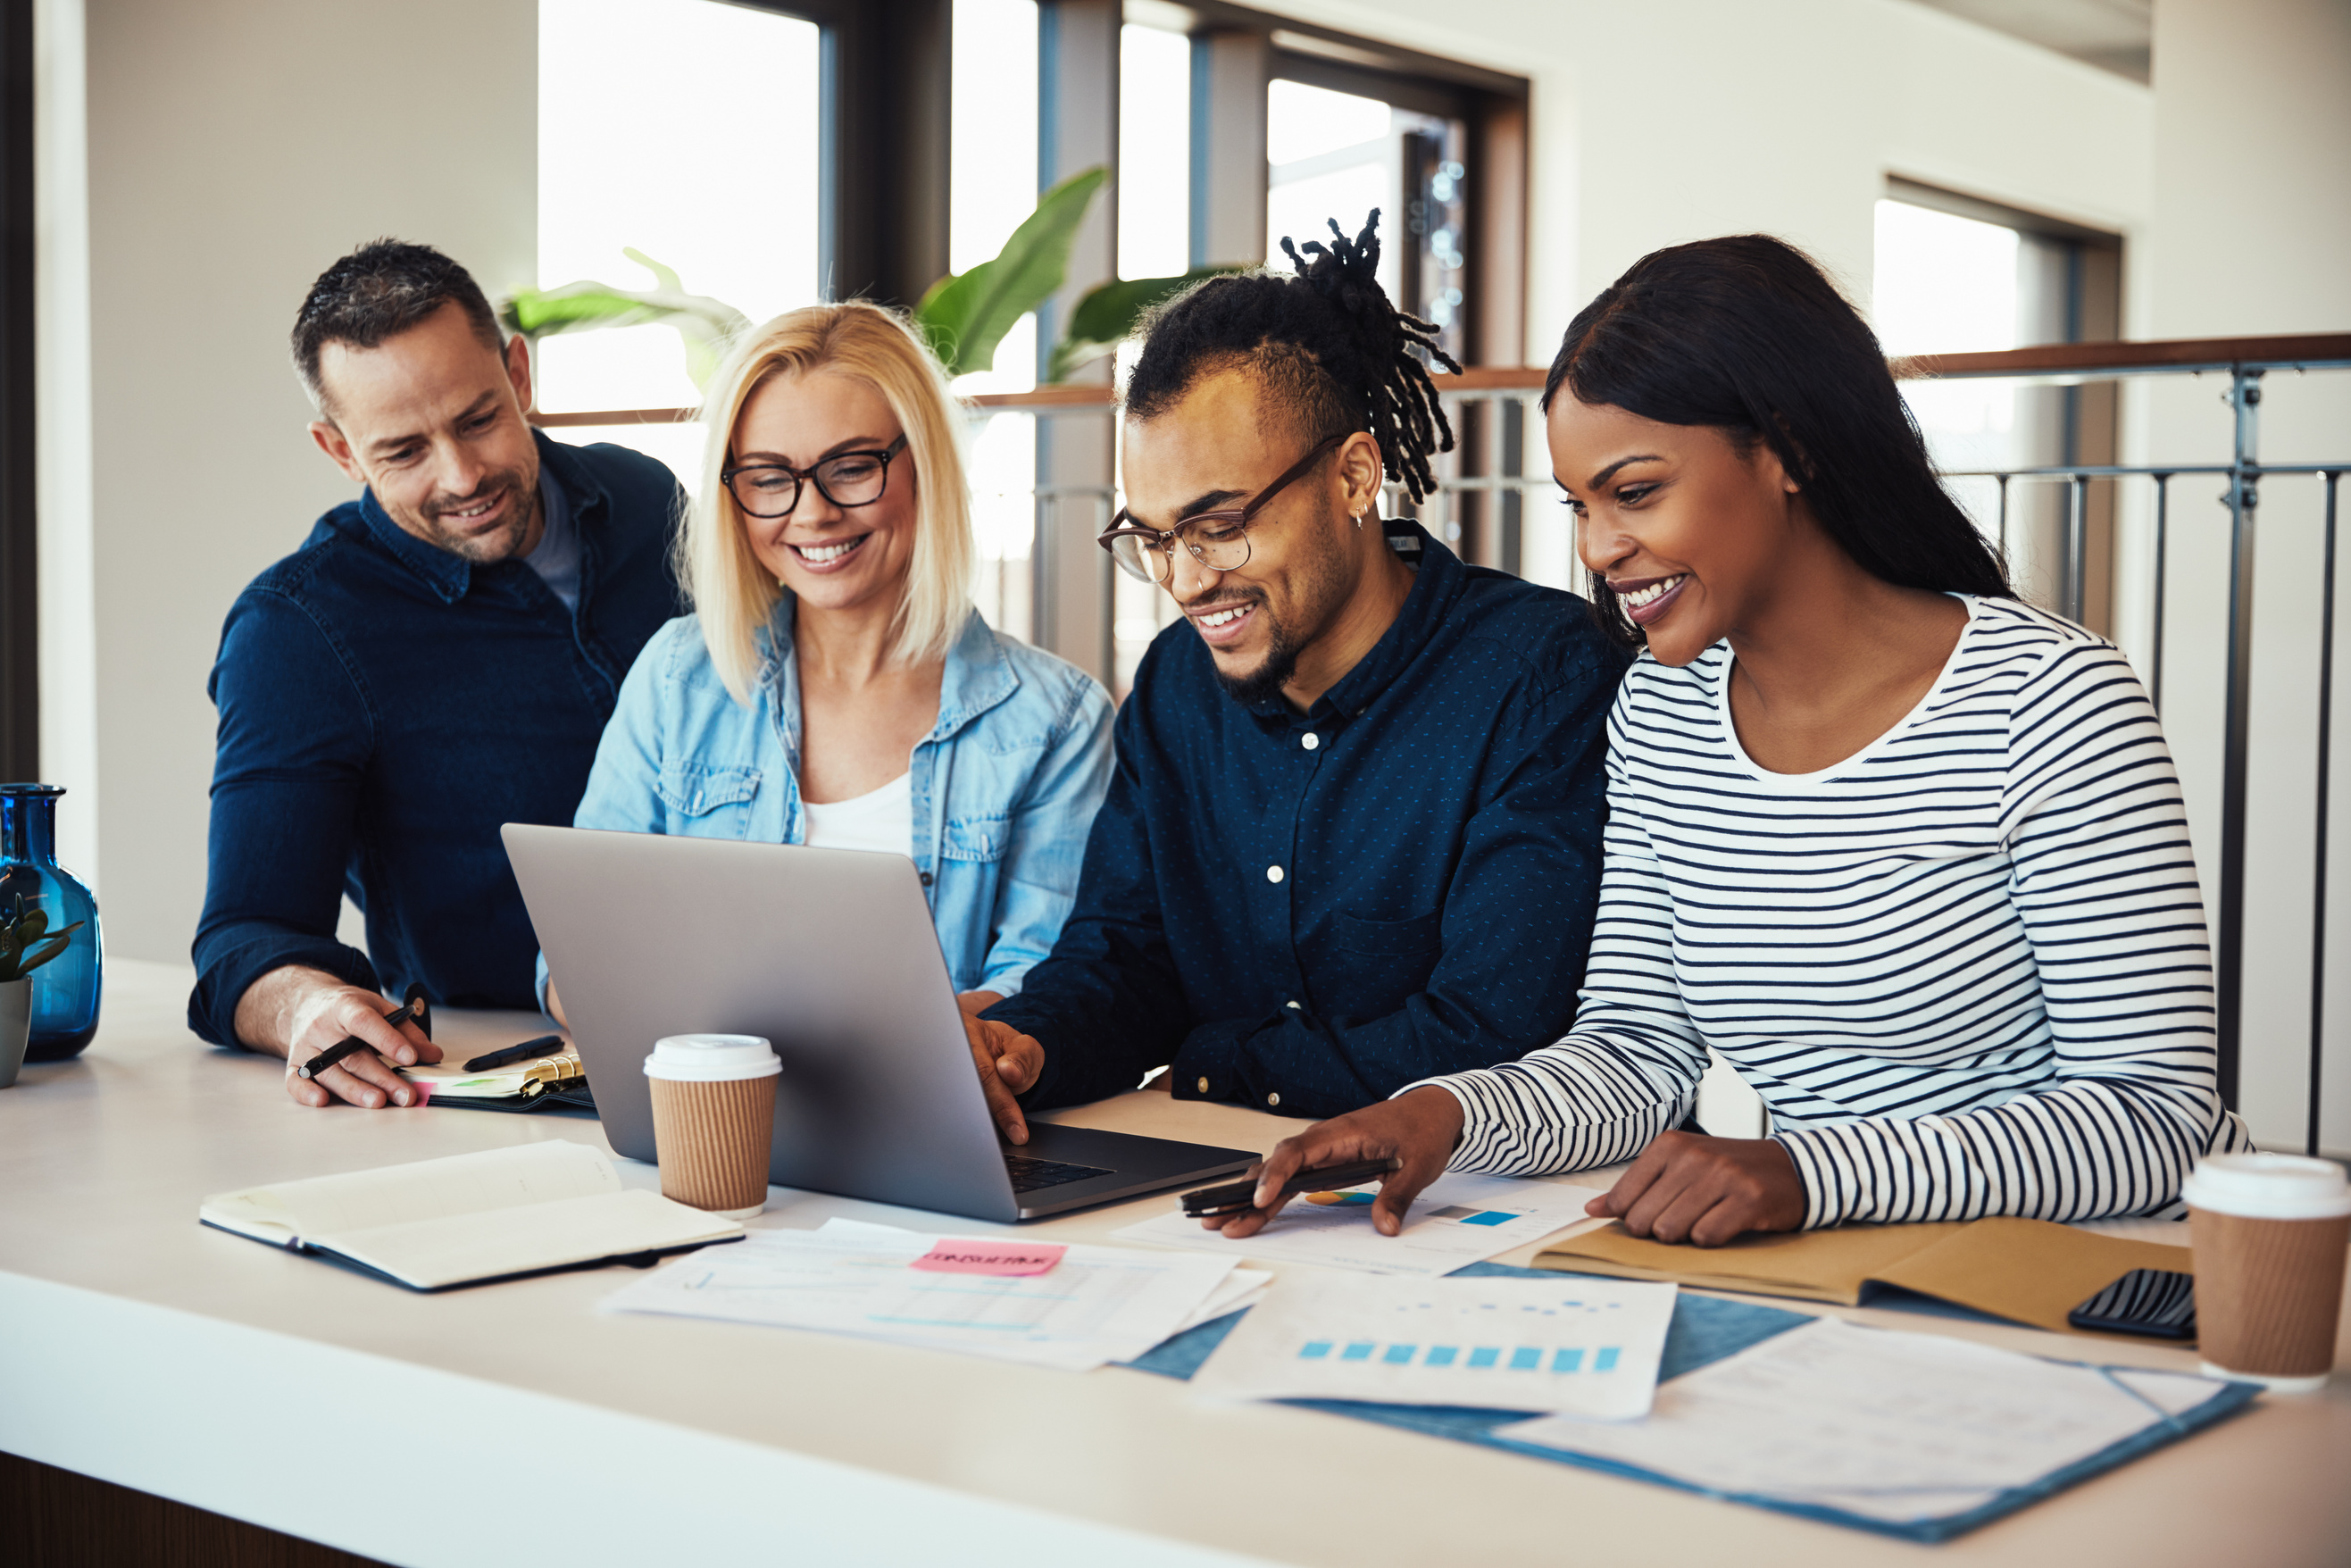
[(2251, 234), (63, 475), (234, 151)]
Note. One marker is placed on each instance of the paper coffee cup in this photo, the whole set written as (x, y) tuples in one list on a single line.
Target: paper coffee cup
[(714, 1118), (2270, 1233)]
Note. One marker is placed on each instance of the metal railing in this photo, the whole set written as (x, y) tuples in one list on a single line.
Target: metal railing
[(1485, 486)]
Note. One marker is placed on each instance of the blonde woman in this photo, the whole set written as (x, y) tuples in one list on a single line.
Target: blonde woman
[(834, 686)]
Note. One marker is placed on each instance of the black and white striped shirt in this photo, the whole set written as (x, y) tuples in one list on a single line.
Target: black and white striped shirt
[(1966, 967)]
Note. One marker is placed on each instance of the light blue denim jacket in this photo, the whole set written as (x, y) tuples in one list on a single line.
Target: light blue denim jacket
[(1005, 785)]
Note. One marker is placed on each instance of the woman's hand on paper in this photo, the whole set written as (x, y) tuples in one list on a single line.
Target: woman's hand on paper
[(1686, 1187), (1419, 1128), (317, 1012), (1008, 1063)]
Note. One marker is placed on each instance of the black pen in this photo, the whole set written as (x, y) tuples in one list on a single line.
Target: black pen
[(544, 1045), (417, 1010), (1239, 1196)]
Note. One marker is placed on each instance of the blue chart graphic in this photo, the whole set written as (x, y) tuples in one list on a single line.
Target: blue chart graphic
[(1515, 1358)]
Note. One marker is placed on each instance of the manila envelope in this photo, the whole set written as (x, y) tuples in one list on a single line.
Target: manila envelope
[(2029, 1271)]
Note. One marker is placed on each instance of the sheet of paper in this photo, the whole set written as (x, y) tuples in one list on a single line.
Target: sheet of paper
[(1457, 1220), (1586, 1346), (1099, 1305), (1890, 1425), (537, 1173), (1242, 1288)]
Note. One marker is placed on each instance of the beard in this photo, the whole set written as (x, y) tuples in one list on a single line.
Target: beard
[(1322, 584), (1264, 684), (500, 543)]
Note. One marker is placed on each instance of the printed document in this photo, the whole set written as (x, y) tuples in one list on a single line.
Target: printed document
[(1097, 1305), (1583, 1347), (1891, 1425), (1456, 1220)]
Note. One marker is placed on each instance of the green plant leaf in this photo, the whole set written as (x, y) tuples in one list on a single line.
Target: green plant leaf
[(703, 324), (664, 276), (1105, 318), (30, 926), (43, 954), (967, 315)]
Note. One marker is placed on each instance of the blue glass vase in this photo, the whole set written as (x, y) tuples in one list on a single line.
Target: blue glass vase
[(65, 989)]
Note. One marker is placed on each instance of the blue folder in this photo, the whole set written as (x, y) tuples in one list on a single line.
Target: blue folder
[(1705, 1329)]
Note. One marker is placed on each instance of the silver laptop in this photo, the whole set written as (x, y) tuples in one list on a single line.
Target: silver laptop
[(828, 954)]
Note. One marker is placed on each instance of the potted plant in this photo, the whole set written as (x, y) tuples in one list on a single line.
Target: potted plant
[(26, 944)]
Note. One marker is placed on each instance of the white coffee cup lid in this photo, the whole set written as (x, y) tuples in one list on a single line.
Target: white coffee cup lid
[(2268, 1187), (712, 1059)]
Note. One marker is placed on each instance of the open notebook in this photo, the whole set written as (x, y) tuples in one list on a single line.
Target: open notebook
[(470, 1218)]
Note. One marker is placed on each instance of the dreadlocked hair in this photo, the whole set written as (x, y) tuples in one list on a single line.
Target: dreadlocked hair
[(1325, 342)]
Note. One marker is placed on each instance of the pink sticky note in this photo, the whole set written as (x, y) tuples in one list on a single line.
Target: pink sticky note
[(990, 1258)]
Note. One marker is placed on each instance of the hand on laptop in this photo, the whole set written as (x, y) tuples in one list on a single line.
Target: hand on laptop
[(297, 1012), (1419, 1128), (1009, 1062)]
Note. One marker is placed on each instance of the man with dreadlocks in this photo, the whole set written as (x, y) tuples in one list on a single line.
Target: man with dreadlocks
[(1353, 836)]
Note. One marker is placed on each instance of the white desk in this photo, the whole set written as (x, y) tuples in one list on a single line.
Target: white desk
[(515, 1424)]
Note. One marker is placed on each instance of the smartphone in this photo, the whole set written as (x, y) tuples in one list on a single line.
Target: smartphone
[(2157, 1302)]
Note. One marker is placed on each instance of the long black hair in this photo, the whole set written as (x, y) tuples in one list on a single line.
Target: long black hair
[(1330, 347), (1747, 334)]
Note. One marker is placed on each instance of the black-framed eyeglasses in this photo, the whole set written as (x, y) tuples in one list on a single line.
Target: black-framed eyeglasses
[(845, 478), (1218, 540)]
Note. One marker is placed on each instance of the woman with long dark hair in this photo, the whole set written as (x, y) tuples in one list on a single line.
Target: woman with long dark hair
[(1906, 852)]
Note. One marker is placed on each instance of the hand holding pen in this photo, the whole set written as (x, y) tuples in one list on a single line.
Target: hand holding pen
[(345, 1046)]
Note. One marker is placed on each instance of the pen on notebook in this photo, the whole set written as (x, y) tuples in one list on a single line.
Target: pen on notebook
[(544, 1045)]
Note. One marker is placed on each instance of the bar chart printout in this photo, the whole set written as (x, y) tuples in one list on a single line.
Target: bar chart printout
[(1580, 1347)]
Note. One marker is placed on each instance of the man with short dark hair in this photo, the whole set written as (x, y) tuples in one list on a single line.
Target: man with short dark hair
[(438, 659), (1353, 834)]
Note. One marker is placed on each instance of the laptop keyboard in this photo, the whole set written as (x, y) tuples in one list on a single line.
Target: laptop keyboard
[(1029, 1176)]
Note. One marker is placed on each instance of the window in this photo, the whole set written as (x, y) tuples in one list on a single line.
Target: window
[(1954, 275), (992, 186), (1333, 154), (688, 130), (1155, 240)]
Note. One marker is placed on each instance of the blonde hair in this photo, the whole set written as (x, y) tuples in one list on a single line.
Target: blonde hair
[(733, 593)]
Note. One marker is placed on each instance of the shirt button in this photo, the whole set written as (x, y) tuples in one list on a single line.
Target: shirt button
[(1204, 1086), (926, 879), (1273, 874), (1309, 740), (1273, 1100)]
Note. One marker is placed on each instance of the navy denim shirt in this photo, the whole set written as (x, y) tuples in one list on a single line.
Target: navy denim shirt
[(384, 707), (1306, 911)]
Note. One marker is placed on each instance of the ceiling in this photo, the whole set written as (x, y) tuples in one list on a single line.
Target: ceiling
[(2113, 35)]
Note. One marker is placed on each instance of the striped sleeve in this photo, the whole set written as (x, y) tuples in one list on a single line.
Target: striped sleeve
[(2104, 882), (1630, 1067)]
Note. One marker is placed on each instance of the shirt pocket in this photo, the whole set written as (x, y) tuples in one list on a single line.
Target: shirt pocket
[(981, 838), (1415, 940), (706, 802)]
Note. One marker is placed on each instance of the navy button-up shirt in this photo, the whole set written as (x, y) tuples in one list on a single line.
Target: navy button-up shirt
[(385, 706), (1306, 912)]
